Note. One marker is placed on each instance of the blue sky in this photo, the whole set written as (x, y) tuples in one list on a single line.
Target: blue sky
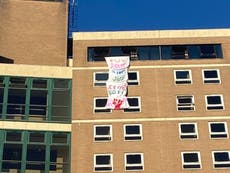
[(119, 15)]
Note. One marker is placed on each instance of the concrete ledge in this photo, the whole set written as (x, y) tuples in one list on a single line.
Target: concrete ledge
[(151, 34), (35, 71), (35, 126)]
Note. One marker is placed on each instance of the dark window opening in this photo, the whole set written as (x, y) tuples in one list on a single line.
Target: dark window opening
[(6, 60), (179, 52), (17, 82), (160, 52), (39, 83), (100, 53), (207, 51)]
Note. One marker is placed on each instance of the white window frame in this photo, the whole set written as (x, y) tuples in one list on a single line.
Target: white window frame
[(103, 166), (134, 165), (220, 162), (138, 107), (191, 163), (185, 106), (218, 133), (208, 106), (99, 83), (109, 136), (100, 108), (138, 137), (183, 81), (211, 80), (188, 136)]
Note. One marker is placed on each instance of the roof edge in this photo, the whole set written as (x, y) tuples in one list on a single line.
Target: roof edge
[(105, 35)]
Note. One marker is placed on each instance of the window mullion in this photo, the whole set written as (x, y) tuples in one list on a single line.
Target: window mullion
[(27, 106), (49, 99), (24, 150), (5, 98), (47, 158), (2, 138)]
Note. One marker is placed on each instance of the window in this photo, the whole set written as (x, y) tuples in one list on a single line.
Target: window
[(179, 52), (208, 51), (218, 129), (185, 103), (100, 78), (214, 102), (134, 161), (191, 160), (103, 162), (188, 130), (99, 105), (157, 52), (182, 76), (133, 78), (102, 133), (133, 132), (100, 53), (221, 159), (39, 155), (134, 104), (211, 76)]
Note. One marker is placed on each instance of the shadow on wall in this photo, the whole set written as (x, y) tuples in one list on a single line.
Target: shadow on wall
[(6, 60)]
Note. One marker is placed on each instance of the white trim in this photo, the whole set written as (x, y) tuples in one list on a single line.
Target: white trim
[(191, 163), (188, 80), (188, 134), (140, 164), (99, 108), (106, 165), (218, 133), (214, 105), (211, 79), (133, 107), (103, 82), (185, 105), (153, 119), (220, 162), (110, 135), (133, 135)]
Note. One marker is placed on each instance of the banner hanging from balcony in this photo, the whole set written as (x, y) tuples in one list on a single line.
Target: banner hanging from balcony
[(117, 82)]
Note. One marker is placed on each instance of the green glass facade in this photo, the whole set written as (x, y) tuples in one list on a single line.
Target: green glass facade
[(35, 99)]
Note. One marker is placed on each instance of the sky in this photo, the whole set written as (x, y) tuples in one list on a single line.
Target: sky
[(123, 15)]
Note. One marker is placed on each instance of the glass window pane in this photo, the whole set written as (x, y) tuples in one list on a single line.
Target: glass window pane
[(218, 127), (61, 83), (221, 156), (39, 83), (132, 129), (37, 137), (191, 157), (187, 128), (134, 159)]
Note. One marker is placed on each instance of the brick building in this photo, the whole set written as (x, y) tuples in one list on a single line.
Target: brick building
[(52, 109)]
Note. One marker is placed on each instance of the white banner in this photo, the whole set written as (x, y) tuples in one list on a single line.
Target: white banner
[(117, 82)]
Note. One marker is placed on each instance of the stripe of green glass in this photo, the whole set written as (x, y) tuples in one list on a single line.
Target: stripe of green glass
[(47, 159), (24, 150), (69, 145), (27, 108), (49, 98), (5, 98), (70, 107), (2, 139)]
